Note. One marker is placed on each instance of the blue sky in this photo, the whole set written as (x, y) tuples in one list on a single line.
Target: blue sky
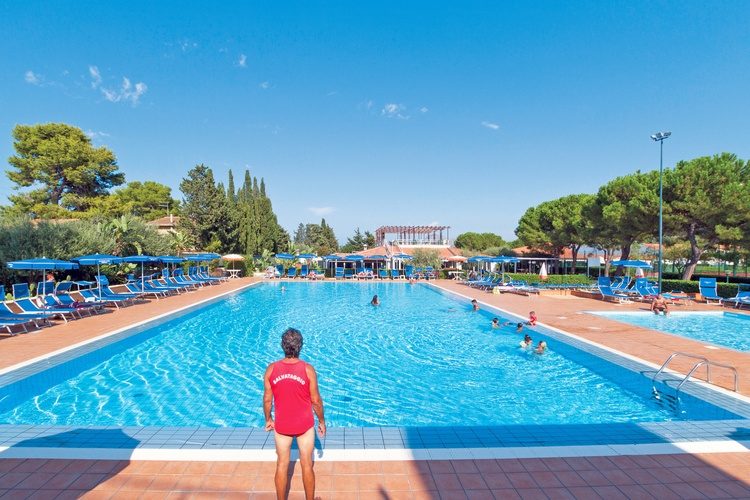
[(461, 113)]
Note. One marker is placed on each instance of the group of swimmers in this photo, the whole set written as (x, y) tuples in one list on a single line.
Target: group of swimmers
[(527, 342)]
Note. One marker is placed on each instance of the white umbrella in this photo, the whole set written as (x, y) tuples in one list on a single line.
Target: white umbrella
[(543, 271), (233, 257), (639, 272)]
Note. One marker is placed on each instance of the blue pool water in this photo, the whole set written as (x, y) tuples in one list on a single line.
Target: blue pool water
[(422, 358), (720, 328)]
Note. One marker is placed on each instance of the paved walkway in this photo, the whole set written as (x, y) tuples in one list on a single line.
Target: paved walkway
[(610, 478), (718, 475)]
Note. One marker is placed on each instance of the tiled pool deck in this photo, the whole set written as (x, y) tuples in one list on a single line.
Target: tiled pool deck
[(472, 455)]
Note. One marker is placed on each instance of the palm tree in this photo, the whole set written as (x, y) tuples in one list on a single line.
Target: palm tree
[(178, 242)]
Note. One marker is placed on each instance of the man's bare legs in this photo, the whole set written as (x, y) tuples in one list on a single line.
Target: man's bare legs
[(306, 444), (283, 452)]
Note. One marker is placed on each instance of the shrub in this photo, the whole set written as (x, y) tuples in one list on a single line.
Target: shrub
[(723, 289), (553, 279)]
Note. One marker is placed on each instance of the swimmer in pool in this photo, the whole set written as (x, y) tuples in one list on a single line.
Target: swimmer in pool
[(495, 323), (474, 304), (375, 301), (526, 342), (541, 347)]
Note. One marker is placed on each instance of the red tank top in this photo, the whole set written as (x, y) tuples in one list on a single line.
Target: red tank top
[(291, 398)]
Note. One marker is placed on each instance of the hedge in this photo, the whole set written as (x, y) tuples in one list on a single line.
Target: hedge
[(724, 289), (552, 279)]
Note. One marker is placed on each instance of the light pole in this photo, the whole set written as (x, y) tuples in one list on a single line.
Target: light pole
[(659, 137)]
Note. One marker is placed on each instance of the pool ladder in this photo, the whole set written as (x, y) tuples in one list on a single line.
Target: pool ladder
[(702, 361)]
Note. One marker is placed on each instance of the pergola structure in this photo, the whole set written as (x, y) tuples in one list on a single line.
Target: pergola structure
[(413, 235)]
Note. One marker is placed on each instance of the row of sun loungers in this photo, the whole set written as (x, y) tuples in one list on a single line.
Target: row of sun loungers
[(62, 301)]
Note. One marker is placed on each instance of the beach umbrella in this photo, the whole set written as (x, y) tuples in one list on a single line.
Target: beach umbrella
[(456, 258), (97, 260), (285, 256), (232, 257), (169, 259), (543, 271), (41, 264), (639, 272), (354, 258), (142, 259), (306, 256), (632, 263)]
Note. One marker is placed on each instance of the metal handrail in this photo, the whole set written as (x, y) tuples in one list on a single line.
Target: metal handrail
[(674, 355), (708, 364), (703, 361)]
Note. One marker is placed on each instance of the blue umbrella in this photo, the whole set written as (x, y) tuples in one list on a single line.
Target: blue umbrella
[(142, 259), (376, 257), (42, 264), (354, 258), (201, 257), (306, 256), (169, 259), (631, 263), (403, 256), (97, 259), (285, 256), (331, 257)]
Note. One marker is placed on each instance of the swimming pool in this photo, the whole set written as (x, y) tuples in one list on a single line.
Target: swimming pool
[(420, 359), (721, 328)]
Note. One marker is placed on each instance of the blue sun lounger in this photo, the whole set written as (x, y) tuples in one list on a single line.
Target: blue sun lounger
[(383, 274), (291, 272), (108, 293), (742, 297), (22, 299), (339, 273), (605, 288), (709, 290)]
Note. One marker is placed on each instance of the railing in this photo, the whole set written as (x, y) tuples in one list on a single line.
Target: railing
[(703, 361)]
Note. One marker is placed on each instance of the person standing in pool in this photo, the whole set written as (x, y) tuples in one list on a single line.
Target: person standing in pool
[(474, 304), (375, 301), (291, 388)]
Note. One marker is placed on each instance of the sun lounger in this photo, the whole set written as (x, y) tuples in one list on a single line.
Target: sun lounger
[(303, 271), (23, 300), (708, 290), (179, 278), (605, 289), (291, 273), (383, 274), (109, 293), (339, 273), (742, 297)]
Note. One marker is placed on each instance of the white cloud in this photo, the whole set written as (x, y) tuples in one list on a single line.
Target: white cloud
[(490, 125), (96, 135), (126, 92), (393, 110), (331, 93), (242, 61), (369, 104), (424, 109), (321, 211), (265, 85), (186, 45), (96, 77), (32, 78)]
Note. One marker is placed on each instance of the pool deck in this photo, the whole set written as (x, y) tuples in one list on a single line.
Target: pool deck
[(684, 475)]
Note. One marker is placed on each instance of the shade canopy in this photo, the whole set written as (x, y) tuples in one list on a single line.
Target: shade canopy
[(354, 258), (42, 264), (632, 263), (169, 259), (233, 257), (285, 256), (404, 256), (376, 257), (456, 258), (306, 256), (97, 259), (332, 257), (479, 258), (140, 259), (201, 257), (503, 259)]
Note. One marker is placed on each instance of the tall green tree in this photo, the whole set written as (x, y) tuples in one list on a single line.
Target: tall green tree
[(204, 213), (359, 241), (62, 166), (479, 242), (625, 210), (709, 203), (556, 224)]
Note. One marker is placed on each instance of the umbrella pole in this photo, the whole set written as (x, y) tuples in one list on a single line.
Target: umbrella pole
[(143, 280), (98, 281)]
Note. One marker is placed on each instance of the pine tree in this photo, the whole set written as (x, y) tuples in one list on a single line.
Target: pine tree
[(204, 208)]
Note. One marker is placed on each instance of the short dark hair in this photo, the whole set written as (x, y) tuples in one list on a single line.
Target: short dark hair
[(291, 343)]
